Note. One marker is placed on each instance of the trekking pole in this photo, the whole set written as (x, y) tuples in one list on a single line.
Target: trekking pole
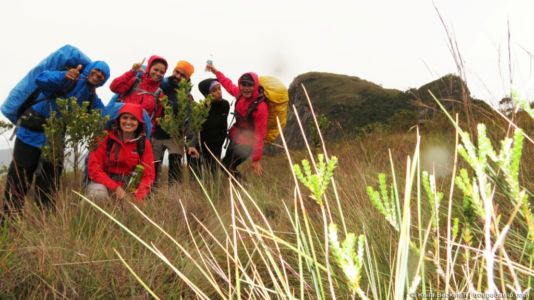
[(227, 141)]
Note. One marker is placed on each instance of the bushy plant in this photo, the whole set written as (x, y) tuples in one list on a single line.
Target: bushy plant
[(467, 237), (72, 130), (183, 122)]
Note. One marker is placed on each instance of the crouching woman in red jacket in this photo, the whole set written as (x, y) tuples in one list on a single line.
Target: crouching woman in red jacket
[(115, 166)]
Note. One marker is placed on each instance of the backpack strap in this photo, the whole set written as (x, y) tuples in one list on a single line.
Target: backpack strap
[(254, 105), (140, 147), (156, 94), (134, 87), (91, 101), (29, 102), (109, 146)]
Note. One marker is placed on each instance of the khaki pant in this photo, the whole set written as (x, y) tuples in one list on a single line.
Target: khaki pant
[(159, 147), (175, 156), (97, 192)]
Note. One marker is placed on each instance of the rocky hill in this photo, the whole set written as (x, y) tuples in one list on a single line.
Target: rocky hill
[(348, 106)]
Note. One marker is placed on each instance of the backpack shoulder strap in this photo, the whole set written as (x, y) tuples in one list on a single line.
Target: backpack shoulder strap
[(132, 89), (29, 102), (91, 101), (254, 106), (157, 94), (141, 147), (109, 146)]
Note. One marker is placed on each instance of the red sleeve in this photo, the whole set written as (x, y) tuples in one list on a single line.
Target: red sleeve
[(97, 159), (260, 129), (123, 83), (228, 85), (149, 174)]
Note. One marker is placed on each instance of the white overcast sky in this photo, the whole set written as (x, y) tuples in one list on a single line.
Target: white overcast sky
[(397, 44)]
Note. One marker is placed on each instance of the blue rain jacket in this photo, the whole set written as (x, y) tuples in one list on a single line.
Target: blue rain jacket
[(53, 85)]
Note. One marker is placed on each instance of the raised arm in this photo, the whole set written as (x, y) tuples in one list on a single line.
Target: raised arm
[(122, 84)]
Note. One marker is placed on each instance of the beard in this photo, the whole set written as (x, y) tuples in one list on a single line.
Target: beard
[(173, 80)]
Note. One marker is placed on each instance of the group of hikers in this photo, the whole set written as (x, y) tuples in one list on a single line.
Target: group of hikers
[(127, 145)]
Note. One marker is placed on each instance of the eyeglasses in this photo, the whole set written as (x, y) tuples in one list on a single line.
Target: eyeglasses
[(246, 83)]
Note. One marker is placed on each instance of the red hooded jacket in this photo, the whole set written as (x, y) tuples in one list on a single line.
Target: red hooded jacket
[(102, 167), (242, 132), (144, 95)]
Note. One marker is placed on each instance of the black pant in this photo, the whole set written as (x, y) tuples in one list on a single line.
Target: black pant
[(175, 168), (236, 155), (206, 163), (207, 159), (26, 160)]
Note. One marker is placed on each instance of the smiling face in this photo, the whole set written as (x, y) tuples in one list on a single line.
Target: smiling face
[(157, 71), (178, 75), (246, 88), (96, 77), (216, 92), (128, 123)]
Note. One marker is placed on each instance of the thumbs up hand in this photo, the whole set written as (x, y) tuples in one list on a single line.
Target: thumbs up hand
[(137, 66), (74, 73)]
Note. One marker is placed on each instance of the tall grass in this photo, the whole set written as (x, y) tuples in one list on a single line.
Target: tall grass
[(367, 219)]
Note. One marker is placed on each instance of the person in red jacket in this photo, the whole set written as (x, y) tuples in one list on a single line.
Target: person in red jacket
[(112, 165), (146, 89), (249, 130)]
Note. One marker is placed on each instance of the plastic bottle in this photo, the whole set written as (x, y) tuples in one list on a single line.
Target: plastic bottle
[(209, 62), (135, 178)]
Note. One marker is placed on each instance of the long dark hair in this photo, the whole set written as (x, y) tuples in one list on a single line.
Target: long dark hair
[(138, 131)]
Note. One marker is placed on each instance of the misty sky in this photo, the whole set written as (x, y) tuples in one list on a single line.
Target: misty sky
[(397, 44)]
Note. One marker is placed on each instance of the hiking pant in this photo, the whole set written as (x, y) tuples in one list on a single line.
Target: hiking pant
[(208, 160), (236, 155), (207, 163), (47, 182), (25, 162), (97, 192), (159, 146)]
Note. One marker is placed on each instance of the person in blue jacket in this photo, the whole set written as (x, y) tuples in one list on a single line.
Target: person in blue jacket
[(80, 82)]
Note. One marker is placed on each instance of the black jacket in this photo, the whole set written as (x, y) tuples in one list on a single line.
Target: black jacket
[(215, 128)]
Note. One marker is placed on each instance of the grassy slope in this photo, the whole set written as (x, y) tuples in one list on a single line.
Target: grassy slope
[(70, 253)]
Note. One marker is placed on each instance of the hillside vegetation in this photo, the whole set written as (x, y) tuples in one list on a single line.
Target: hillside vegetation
[(388, 213), (352, 106)]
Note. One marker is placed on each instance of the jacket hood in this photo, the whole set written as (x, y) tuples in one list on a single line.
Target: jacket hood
[(151, 61), (99, 65), (254, 76), (204, 86), (135, 109)]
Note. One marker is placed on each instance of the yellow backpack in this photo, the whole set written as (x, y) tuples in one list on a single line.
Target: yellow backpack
[(277, 98)]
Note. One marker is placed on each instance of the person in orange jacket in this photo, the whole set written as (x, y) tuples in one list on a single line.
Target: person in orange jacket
[(118, 156)]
